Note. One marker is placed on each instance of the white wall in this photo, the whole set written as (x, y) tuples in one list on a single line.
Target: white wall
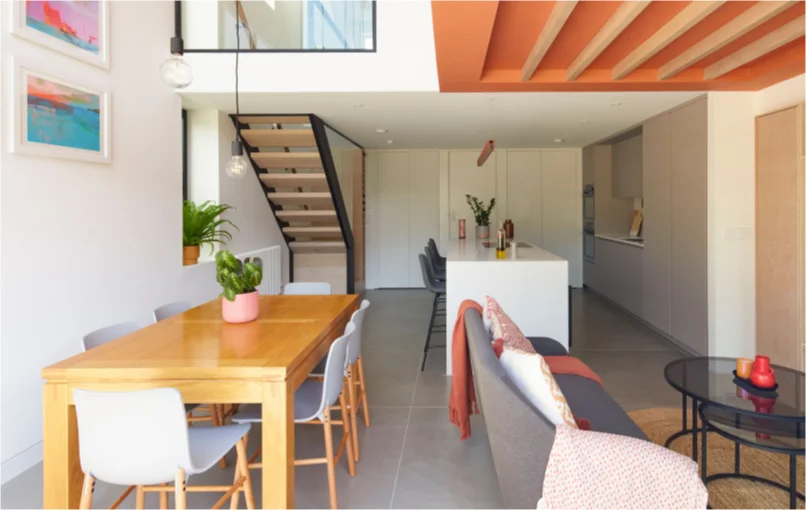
[(781, 95), (86, 245), (405, 59), (449, 213), (731, 224)]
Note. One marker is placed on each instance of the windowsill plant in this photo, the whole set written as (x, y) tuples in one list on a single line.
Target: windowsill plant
[(202, 225)]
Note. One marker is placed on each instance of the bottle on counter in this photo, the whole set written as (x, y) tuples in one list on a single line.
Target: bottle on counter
[(462, 227), (501, 248)]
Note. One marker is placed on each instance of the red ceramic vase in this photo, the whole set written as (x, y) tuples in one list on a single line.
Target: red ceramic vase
[(763, 379), (762, 364)]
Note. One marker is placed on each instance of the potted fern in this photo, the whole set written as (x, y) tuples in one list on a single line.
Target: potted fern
[(239, 281), (482, 214), (202, 225)]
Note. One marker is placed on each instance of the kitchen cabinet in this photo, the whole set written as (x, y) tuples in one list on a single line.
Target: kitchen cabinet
[(408, 214), (657, 269), (616, 274), (627, 168), (688, 223)]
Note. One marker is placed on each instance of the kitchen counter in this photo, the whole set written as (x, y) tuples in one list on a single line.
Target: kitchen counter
[(532, 287), (621, 240), (471, 250)]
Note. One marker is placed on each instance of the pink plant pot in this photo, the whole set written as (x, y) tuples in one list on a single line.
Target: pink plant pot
[(245, 308)]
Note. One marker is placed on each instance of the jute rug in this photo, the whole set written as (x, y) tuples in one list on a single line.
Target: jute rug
[(659, 423)]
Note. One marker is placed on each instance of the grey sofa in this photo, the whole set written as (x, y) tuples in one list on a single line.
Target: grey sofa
[(520, 437)]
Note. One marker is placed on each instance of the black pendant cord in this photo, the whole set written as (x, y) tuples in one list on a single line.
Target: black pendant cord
[(237, 55)]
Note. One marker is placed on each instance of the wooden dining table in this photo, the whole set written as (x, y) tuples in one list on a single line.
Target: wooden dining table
[(209, 362)]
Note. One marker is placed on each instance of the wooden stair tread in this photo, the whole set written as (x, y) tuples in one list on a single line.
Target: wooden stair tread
[(319, 199), (287, 159), (306, 215), (289, 180), (279, 137), (274, 119), (312, 231), (317, 246)]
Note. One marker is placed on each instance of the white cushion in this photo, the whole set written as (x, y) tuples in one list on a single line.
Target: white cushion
[(531, 375)]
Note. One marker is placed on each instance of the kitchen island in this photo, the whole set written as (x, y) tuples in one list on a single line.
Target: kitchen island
[(531, 285)]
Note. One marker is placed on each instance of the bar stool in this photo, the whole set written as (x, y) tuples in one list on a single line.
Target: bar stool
[(441, 261), (438, 289), (436, 270)]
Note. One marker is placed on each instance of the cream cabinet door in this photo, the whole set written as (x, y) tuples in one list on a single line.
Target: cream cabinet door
[(465, 177), (525, 195), (393, 220)]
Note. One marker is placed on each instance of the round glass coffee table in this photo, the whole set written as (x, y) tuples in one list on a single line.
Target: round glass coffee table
[(731, 412), (764, 431)]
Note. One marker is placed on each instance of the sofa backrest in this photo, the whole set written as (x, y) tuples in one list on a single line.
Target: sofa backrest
[(520, 437)]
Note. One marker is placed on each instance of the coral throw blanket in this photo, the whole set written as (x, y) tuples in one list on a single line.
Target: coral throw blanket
[(462, 401)]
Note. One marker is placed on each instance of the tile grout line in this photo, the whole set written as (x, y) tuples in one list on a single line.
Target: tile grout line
[(405, 436)]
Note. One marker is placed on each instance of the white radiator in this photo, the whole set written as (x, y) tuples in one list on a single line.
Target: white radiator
[(272, 268)]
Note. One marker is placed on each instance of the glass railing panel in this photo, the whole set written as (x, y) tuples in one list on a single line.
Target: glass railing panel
[(348, 159), (279, 25)]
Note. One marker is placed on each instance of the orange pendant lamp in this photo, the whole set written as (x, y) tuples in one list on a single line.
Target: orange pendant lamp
[(488, 149)]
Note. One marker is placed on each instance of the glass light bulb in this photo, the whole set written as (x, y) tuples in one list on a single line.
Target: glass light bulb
[(175, 72), (237, 167)]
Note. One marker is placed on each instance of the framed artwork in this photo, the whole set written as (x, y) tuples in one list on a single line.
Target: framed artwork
[(79, 29), (56, 118)]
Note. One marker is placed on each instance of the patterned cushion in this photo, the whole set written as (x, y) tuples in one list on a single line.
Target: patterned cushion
[(588, 469), (530, 373), (501, 326)]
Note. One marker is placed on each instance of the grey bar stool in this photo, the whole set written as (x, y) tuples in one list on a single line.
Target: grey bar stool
[(438, 289), (439, 258), (436, 270)]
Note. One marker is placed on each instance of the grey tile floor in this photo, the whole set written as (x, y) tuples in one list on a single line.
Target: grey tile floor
[(411, 456)]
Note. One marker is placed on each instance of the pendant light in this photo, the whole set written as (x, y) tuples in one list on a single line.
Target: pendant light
[(174, 71), (237, 166)]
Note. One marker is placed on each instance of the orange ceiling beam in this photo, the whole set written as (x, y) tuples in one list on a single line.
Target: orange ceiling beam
[(490, 46)]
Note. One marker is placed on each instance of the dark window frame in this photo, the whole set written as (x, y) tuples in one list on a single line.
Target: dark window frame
[(184, 155)]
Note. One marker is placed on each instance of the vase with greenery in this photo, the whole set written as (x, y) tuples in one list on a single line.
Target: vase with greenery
[(202, 225), (482, 215), (239, 281)]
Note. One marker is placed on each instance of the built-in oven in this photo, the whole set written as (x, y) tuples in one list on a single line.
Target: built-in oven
[(588, 203)]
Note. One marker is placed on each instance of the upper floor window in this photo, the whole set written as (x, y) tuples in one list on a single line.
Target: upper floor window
[(288, 25)]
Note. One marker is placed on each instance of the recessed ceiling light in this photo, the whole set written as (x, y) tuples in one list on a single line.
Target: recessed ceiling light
[(615, 103), (390, 142), (585, 123), (558, 140), (380, 130), (358, 105)]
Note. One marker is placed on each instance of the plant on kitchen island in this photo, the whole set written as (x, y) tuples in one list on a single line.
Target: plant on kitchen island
[(480, 211)]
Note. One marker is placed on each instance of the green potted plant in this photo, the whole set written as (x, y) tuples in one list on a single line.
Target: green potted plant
[(482, 214), (202, 224), (239, 281)]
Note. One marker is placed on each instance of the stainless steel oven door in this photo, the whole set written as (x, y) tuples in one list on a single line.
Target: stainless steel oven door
[(589, 246)]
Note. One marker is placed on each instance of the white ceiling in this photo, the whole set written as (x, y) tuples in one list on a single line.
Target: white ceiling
[(426, 120)]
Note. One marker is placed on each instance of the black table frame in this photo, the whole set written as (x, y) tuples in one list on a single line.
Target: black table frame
[(791, 452)]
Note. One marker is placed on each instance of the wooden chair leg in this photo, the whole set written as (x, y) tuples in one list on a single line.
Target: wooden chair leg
[(86, 492), (164, 499), (214, 416), (363, 383), (140, 498), (180, 493), (243, 465), (331, 464), (236, 498), (348, 438), (352, 417)]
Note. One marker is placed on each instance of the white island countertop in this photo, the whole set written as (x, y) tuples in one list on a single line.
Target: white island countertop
[(472, 250)]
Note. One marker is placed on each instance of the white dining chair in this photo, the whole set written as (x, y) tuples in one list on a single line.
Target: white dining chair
[(313, 404), (141, 438), (354, 373), (107, 334), (165, 311), (310, 288)]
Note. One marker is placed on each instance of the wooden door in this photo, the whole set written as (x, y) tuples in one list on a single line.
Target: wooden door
[(780, 236)]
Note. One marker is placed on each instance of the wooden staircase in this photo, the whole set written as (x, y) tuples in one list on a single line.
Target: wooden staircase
[(292, 158)]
